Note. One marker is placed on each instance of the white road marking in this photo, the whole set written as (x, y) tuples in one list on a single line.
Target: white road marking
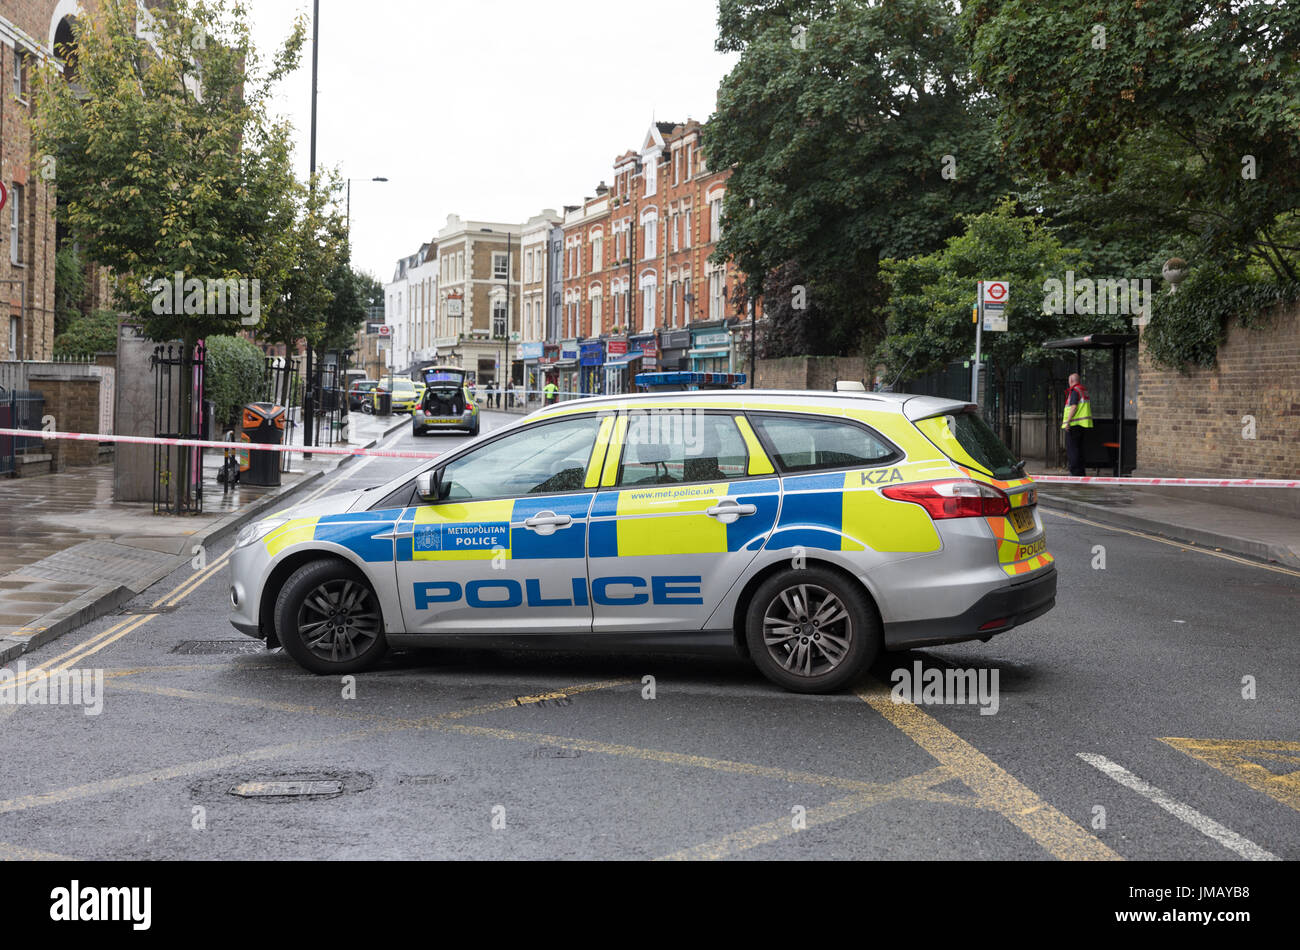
[(1186, 813)]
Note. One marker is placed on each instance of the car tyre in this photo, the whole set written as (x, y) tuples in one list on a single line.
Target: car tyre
[(329, 620), (811, 630)]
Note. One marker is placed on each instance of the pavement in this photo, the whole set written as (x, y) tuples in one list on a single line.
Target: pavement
[(1188, 518), (70, 554)]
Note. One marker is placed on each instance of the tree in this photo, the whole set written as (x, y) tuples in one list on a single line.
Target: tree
[(855, 133), (310, 249), (69, 287), (794, 324), (167, 163), (931, 296), (1188, 107)]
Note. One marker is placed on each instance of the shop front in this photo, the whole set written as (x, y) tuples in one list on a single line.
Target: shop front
[(711, 350), (530, 354), (567, 369), (673, 347), (615, 368), (591, 357)]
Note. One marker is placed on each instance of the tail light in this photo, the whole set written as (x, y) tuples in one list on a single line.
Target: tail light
[(953, 498)]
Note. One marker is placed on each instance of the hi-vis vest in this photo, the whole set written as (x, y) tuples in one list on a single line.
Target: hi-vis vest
[(1082, 411)]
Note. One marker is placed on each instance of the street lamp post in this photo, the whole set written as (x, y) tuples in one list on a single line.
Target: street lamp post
[(349, 211)]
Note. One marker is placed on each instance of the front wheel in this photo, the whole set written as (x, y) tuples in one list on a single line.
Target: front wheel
[(811, 631), (328, 619)]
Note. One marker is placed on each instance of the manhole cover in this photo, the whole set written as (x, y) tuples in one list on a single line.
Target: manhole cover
[(218, 647), (554, 752), (286, 789)]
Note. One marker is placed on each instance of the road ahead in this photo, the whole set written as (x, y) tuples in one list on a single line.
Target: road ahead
[(1142, 668)]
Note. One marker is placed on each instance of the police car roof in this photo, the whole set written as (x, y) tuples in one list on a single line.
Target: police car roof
[(910, 406)]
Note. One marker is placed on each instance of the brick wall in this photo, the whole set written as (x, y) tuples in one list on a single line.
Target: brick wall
[(808, 372), (74, 404), (1192, 424)]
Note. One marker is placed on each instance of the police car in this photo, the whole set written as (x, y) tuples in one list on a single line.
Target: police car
[(804, 531), (446, 405)]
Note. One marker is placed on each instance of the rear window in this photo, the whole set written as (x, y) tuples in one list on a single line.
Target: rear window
[(805, 444), (966, 438)]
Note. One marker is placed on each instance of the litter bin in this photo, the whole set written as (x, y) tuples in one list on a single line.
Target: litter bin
[(263, 424), (383, 402)]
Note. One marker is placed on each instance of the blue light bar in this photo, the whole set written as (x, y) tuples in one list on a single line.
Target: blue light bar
[(679, 381)]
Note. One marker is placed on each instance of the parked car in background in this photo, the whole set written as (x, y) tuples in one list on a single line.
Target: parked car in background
[(359, 395)]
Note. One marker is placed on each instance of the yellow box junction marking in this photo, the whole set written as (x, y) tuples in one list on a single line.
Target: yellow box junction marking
[(1235, 758)]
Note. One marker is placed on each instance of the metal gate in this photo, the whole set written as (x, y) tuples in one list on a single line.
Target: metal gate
[(19, 409), (178, 472)]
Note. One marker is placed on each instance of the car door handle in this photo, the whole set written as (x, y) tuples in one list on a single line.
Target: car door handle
[(729, 510), (545, 522)]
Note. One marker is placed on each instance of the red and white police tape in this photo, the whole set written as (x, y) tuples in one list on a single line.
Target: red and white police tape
[(393, 454), (228, 446)]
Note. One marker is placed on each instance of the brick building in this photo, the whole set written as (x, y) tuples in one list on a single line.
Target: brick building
[(29, 33), (639, 290)]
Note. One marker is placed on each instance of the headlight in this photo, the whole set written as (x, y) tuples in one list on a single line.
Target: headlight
[(252, 533)]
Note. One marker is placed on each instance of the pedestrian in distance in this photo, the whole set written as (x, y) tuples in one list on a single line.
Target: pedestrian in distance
[(551, 391), (1076, 419)]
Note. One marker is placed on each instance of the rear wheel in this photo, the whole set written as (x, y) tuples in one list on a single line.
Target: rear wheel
[(811, 631), (328, 619)]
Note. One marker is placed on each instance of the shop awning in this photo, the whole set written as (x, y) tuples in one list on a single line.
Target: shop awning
[(710, 352)]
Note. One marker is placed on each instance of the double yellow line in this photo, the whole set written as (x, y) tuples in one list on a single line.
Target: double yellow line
[(99, 641)]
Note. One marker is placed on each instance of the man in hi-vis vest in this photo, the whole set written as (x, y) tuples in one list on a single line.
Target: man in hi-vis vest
[(1078, 416)]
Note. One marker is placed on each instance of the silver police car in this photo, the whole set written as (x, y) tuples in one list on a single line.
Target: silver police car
[(804, 531)]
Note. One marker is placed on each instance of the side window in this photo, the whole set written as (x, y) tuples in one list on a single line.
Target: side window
[(546, 458), (804, 444), (667, 447)]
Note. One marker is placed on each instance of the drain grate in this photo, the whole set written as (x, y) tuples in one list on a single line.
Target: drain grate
[(555, 752), (218, 647)]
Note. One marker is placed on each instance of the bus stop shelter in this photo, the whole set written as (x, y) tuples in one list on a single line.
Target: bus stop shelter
[(1110, 441)]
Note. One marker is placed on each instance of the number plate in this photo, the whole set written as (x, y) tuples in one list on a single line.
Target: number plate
[(1022, 519)]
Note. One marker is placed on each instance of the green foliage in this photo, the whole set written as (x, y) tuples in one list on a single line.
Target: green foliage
[(346, 312), (233, 375), (69, 287), (95, 332), (166, 160), (931, 295), (838, 139), (1187, 327), (1190, 109)]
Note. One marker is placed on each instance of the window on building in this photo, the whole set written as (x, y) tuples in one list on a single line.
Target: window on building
[(499, 317), (676, 230), (597, 253), (715, 219), (20, 73), (595, 315), (651, 240), (687, 299), (717, 295), (673, 291), (460, 265), (677, 166), (16, 225), (500, 265), (648, 308), (690, 158), (651, 175), (687, 237)]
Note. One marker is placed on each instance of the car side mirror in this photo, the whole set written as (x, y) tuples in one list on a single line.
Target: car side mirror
[(428, 486)]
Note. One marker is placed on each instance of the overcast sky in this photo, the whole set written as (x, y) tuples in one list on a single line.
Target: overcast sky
[(490, 109)]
